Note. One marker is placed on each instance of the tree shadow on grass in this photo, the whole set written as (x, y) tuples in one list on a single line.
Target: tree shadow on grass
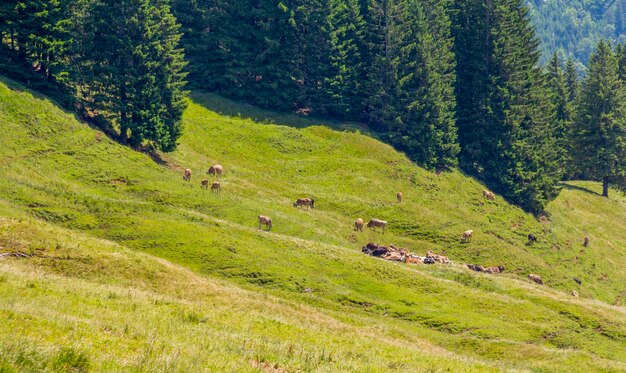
[(226, 107), (568, 186)]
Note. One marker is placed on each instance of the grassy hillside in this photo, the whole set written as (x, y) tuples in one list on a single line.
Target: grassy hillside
[(101, 218)]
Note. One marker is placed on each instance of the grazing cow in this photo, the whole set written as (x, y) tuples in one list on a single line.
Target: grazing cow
[(475, 267), (577, 280), (215, 170), (358, 224), (574, 293), (204, 184), (532, 238), (586, 241), (498, 269), (187, 175), (489, 195), (373, 223), (265, 220), (216, 187), (467, 236), (535, 278), (305, 202), (399, 197)]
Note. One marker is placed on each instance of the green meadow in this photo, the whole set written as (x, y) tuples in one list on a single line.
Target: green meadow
[(130, 268)]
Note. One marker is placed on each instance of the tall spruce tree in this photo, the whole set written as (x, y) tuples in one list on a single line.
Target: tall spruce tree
[(562, 110), (345, 83), (504, 112), (620, 52), (133, 68), (571, 80), (600, 125), (425, 128)]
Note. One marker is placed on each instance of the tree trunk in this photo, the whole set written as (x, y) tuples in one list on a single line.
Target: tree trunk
[(605, 186)]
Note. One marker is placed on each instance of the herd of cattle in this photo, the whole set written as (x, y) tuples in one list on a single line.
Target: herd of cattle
[(390, 252)]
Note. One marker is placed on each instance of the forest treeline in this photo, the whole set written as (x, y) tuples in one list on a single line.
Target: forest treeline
[(573, 28), (452, 83)]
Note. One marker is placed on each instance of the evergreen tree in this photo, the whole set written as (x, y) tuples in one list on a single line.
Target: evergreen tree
[(600, 125), (620, 53), (562, 110), (134, 69), (345, 83), (504, 112), (571, 80), (425, 127)]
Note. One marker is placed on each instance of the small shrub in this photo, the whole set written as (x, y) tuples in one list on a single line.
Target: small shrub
[(71, 360)]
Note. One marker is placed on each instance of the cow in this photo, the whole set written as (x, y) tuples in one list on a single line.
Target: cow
[(373, 223), (438, 258), (216, 187), (535, 278), (577, 280), (215, 170), (574, 293), (394, 256), (489, 195), (532, 238), (475, 267), (498, 269), (467, 236), (369, 248), (399, 197), (204, 184), (187, 175), (412, 259), (586, 241), (265, 220), (358, 224), (380, 251), (308, 202)]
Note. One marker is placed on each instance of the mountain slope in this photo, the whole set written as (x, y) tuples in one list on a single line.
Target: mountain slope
[(59, 170)]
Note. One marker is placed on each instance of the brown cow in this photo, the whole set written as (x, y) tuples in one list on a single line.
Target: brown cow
[(216, 187), (358, 224), (498, 269), (412, 259), (586, 241), (399, 197), (215, 170), (467, 236), (535, 278), (373, 223), (394, 256), (187, 175), (305, 202), (489, 195), (265, 220), (204, 184), (439, 258)]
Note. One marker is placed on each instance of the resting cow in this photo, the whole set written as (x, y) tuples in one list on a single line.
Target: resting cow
[(308, 202), (377, 223), (498, 269), (532, 238), (265, 220), (215, 170)]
